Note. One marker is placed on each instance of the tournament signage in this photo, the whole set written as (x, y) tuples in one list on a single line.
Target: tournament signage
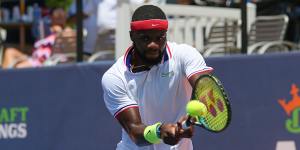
[(13, 122), (292, 110)]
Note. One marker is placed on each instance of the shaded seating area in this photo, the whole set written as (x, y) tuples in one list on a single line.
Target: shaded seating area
[(266, 35), (217, 33)]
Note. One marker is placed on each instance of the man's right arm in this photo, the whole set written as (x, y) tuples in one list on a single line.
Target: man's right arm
[(131, 122), (126, 111)]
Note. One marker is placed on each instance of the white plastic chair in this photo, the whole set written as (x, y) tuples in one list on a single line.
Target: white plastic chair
[(267, 35), (64, 48), (221, 38)]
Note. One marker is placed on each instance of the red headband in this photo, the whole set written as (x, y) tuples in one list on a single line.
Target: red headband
[(152, 24)]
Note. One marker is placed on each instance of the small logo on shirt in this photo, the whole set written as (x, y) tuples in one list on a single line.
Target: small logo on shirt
[(167, 74)]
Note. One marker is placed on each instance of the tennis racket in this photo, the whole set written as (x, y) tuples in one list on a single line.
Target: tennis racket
[(209, 90)]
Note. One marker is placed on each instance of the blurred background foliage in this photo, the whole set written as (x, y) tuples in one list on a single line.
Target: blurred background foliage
[(58, 3)]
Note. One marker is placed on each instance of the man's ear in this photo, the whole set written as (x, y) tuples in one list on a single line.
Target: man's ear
[(131, 35)]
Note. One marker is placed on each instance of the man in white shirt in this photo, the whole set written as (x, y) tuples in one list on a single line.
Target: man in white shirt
[(147, 89), (107, 20), (90, 9), (107, 11)]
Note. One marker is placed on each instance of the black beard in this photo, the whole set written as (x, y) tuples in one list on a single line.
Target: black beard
[(150, 62)]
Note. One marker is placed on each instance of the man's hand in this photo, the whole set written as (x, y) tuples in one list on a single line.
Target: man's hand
[(169, 134), (189, 132), (172, 133)]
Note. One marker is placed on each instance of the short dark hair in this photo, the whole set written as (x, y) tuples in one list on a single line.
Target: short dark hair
[(147, 12)]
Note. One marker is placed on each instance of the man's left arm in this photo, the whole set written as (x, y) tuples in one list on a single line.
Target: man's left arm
[(193, 64), (193, 79)]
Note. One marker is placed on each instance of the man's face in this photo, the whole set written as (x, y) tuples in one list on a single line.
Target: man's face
[(149, 44), (59, 17)]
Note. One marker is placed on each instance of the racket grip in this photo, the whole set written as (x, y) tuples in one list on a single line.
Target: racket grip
[(186, 124)]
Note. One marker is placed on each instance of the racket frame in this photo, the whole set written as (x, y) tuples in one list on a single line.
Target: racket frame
[(227, 103)]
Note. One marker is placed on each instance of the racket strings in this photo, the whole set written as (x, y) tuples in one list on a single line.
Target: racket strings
[(217, 123), (208, 92)]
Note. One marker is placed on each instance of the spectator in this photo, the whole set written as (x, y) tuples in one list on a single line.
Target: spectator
[(107, 20), (269, 7), (90, 9), (42, 48), (277, 7), (293, 30)]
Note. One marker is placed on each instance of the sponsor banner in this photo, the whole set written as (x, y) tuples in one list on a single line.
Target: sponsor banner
[(55, 108), (292, 110), (13, 122)]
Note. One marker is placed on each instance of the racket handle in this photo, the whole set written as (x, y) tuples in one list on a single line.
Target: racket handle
[(186, 124)]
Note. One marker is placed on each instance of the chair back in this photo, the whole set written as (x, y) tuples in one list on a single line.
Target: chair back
[(65, 42), (223, 35), (64, 48), (186, 23), (268, 28)]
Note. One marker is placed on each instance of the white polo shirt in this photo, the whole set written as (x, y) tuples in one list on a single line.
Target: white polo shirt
[(160, 93)]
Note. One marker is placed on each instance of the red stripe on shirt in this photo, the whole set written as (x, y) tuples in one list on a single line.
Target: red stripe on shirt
[(126, 54), (169, 51), (124, 108), (207, 70)]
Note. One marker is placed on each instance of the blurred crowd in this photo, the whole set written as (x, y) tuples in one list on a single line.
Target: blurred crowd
[(99, 23)]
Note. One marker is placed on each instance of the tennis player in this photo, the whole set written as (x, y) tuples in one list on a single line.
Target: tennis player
[(147, 89)]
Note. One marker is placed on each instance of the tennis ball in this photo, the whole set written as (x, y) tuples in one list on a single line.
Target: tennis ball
[(195, 108)]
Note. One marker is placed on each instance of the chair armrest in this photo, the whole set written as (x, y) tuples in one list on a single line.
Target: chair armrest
[(100, 54), (217, 48), (254, 47), (284, 44), (58, 58)]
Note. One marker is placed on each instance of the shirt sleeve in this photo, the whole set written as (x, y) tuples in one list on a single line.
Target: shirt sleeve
[(72, 8), (115, 95), (90, 6), (193, 62)]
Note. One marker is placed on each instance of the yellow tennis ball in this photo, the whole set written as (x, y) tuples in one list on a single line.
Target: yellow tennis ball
[(195, 108)]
